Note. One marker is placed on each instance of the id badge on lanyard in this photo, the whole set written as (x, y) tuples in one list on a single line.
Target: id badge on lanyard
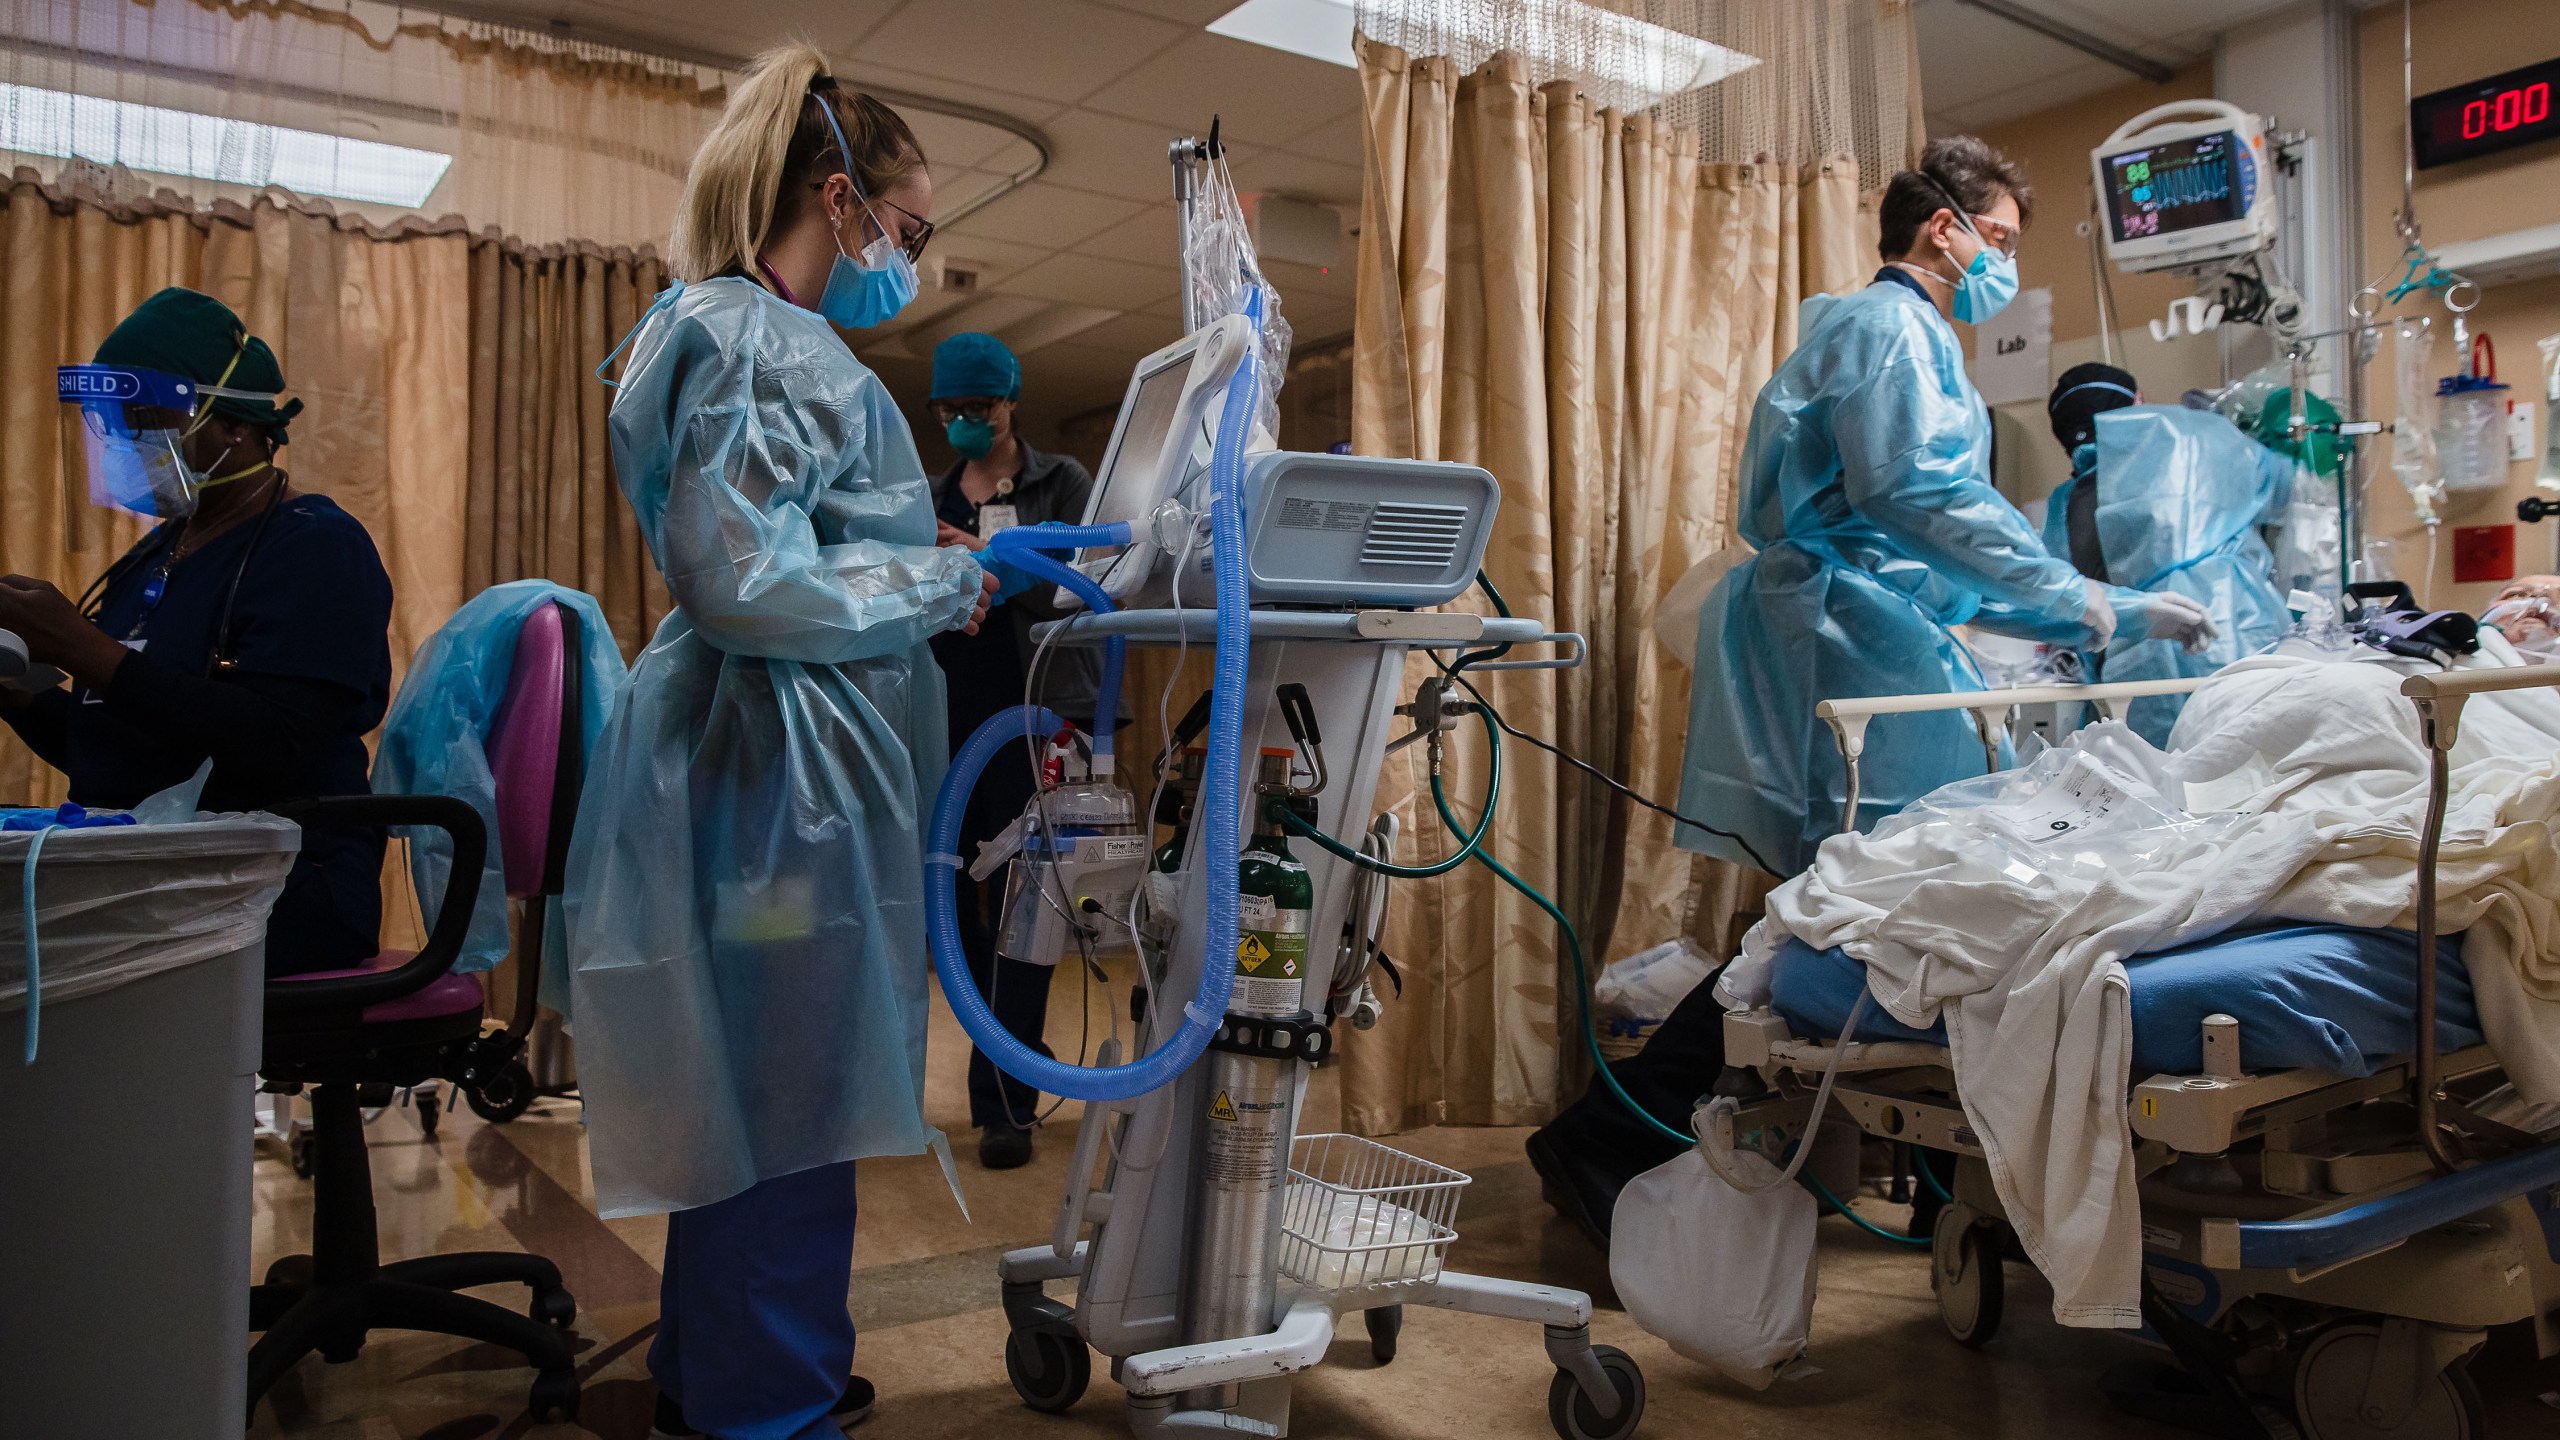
[(994, 516)]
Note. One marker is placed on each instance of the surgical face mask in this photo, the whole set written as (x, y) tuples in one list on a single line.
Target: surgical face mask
[(972, 437), (872, 290), (1989, 283)]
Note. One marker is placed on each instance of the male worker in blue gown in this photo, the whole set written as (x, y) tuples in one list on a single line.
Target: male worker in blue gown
[(2162, 497), (1867, 494)]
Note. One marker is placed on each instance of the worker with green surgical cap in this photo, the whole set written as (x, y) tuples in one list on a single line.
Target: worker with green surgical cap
[(250, 627), (995, 482)]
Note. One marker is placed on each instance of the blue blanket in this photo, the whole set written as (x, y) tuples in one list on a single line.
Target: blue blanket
[(2324, 997)]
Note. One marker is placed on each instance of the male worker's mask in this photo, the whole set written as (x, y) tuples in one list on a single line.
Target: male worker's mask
[(1990, 278)]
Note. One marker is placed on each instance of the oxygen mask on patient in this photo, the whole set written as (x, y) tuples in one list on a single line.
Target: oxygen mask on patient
[(2530, 621)]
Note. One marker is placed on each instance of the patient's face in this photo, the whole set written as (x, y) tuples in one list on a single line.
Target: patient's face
[(2526, 622)]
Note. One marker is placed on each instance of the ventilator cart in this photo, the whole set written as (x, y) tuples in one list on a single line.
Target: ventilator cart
[(1215, 1250)]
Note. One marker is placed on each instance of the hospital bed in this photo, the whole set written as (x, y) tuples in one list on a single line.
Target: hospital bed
[(2329, 1226)]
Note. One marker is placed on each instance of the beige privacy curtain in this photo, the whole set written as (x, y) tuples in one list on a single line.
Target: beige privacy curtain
[(1573, 299), (371, 329)]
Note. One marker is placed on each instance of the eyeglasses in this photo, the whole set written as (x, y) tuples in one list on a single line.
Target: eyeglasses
[(1997, 234), (945, 411), (918, 238)]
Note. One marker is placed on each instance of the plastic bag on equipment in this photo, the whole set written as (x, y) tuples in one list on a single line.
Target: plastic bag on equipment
[(1675, 620), (1637, 993), (1722, 1277)]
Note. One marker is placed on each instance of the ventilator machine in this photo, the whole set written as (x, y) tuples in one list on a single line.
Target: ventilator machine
[(1213, 1247)]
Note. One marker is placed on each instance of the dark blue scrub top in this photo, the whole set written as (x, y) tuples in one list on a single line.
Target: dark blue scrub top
[(310, 631)]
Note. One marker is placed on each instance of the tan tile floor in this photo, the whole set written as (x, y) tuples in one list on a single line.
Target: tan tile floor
[(924, 1292)]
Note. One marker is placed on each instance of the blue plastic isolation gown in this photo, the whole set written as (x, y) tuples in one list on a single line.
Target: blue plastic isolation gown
[(746, 889), (433, 743), (2181, 496), (1866, 491)]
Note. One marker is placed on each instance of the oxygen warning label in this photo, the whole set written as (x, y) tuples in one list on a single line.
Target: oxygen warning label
[(1271, 958)]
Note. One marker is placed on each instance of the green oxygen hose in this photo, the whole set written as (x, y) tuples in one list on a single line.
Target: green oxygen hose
[(1299, 824), (1591, 1032)]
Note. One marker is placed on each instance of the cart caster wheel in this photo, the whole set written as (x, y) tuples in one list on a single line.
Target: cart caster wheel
[(554, 1397), (1048, 1365), (553, 1307), (427, 1114), (502, 1095), (291, 1270), (1385, 1323), (1576, 1418), (298, 1151), (2328, 1392), (1965, 1271)]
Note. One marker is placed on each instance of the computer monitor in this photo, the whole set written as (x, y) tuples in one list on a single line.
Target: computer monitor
[(1154, 444)]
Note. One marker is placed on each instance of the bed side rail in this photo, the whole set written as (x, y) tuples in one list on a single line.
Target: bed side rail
[(1848, 717), (2440, 698)]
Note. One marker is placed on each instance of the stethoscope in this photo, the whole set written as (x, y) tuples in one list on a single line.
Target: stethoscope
[(220, 659)]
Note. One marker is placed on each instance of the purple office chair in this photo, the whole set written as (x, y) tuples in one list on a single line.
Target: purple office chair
[(405, 1020), (537, 759)]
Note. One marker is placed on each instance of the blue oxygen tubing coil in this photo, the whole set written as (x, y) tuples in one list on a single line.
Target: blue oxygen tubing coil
[(1220, 789)]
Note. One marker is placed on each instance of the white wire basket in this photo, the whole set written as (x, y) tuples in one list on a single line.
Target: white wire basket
[(1361, 1216)]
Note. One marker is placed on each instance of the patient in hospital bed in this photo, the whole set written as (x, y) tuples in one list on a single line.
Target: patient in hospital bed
[(2262, 865)]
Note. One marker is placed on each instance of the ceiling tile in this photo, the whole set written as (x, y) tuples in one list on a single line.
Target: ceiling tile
[(1266, 97), (950, 141), (1170, 308), (1056, 49), (992, 259), (1048, 216), (1152, 237), (1338, 141), (1294, 280), (1320, 318), (1093, 151), (1092, 280), (1296, 176), (1134, 336), (862, 68)]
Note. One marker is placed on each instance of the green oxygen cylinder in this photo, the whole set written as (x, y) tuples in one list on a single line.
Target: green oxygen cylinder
[(1277, 901)]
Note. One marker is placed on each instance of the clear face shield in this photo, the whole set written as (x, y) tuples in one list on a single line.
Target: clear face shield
[(132, 426)]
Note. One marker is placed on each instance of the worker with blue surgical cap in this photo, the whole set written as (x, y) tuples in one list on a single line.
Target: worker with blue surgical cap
[(746, 889), (998, 481), (2167, 499), (1866, 493)]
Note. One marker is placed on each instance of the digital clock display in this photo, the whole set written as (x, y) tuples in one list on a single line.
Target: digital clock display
[(2485, 117)]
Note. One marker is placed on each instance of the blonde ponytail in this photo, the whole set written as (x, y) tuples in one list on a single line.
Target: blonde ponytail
[(769, 134)]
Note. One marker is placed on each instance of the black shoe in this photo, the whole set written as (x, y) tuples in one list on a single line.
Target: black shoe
[(668, 1422), (855, 1407), (1574, 1193), (1004, 1147)]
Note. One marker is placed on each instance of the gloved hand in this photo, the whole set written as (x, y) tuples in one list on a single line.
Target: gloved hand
[(2099, 616), (1011, 579), (2168, 615)]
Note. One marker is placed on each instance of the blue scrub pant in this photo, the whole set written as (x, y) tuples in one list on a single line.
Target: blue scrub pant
[(754, 1340)]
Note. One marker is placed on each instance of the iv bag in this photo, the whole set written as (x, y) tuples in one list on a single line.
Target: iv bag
[(2309, 542), (2549, 477), (2413, 429)]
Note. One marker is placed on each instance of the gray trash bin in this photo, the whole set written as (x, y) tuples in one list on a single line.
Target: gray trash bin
[(124, 1271)]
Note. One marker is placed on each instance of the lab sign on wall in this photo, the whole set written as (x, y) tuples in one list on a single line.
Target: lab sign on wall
[(2013, 350)]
